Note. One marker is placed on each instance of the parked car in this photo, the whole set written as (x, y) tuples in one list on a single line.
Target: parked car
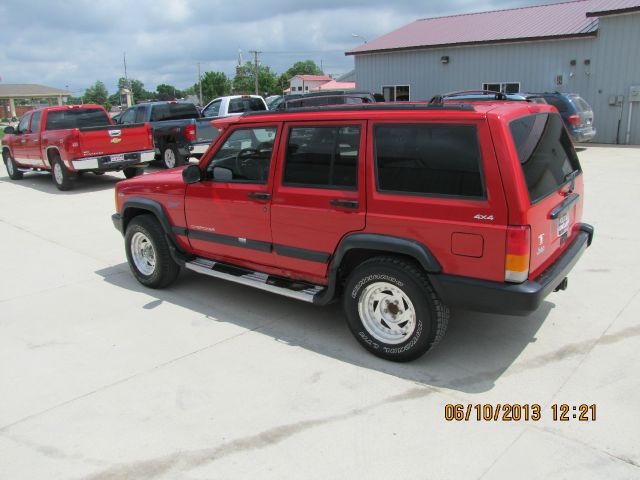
[(576, 113), (69, 140), (400, 209), (487, 95), (234, 105), (320, 98), (179, 132)]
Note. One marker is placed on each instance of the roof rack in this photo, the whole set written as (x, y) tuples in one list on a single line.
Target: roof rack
[(438, 99), (367, 107)]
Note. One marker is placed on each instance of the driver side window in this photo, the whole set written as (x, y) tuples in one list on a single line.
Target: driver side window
[(244, 157), (24, 122)]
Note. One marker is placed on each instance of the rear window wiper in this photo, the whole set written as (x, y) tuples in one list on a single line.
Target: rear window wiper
[(571, 177)]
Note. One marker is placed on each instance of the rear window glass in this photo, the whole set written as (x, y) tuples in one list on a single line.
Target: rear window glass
[(557, 102), (545, 152), (239, 105), (580, 103), (76, 118), (174, 111), (429, 159)]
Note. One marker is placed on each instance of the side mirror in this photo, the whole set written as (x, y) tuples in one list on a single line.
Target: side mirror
[(9, 130), (222, 174), (192, 174)]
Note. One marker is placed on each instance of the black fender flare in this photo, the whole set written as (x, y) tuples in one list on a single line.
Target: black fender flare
[(382, 243)]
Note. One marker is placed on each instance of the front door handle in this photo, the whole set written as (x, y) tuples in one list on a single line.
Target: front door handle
[(344, 203), (259, 196)]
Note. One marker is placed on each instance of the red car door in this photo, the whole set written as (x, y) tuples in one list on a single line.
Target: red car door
[(228, 213), (319, 195), (19, 149), (32, 140)]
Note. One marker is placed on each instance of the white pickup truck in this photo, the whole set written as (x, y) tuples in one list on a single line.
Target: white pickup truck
[(234, 105)]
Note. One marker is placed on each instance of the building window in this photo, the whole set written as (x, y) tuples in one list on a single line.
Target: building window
[(396, 93), (428, 159), (306, 87), (504, 87), (323, 157)]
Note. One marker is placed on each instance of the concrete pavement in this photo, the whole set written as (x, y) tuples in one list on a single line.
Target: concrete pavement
[(101, 378)]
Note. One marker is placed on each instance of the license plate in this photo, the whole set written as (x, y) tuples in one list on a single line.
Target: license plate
[(117, 158), (563, 224)]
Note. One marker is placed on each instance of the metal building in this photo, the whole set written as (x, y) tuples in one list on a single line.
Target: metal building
[(590, 47)]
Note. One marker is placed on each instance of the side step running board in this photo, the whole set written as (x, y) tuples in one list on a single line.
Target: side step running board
[(282, 286)]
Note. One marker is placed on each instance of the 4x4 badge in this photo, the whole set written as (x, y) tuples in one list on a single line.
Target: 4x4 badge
[(483, 217)]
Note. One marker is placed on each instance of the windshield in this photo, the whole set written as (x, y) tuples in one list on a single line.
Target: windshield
[(76, 118)]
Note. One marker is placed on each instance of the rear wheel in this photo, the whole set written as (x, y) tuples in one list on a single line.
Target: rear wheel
[(148, 253), (62, 177), (171, 157), (12, 169), (131, 172), (392, 309)]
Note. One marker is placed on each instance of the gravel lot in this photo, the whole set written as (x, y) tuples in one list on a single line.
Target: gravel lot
[(103, 379)]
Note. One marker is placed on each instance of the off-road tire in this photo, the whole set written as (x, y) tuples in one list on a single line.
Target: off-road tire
[(169, 151), (12, 169), (63, 179), (166, 269), (131, 172), (431, 315)]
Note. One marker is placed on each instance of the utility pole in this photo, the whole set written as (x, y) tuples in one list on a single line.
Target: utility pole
[(256, 71), (126, 79), (200, 84)]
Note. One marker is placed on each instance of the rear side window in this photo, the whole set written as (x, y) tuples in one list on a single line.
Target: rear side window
[(323, 157), (580, 103), (429, 159), (545, 152), (239, 105), (76, 118), (173, 111)]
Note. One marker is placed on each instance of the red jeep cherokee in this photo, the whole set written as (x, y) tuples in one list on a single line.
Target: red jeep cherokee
[(401, 210)]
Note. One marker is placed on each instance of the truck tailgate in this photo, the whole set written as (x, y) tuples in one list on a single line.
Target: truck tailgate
[(115, 139)]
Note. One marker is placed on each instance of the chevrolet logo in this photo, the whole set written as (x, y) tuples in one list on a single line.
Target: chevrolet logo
[(116, 140)]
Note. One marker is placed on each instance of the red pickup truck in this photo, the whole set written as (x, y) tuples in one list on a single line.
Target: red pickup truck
[(71, 139)]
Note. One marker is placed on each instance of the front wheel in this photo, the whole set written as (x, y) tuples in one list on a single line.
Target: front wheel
[(62, 177), (392, 309), (148, 253), (12, 169), (171, 157)]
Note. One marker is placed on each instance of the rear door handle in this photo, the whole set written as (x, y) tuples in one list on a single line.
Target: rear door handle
[(259, 196), (344, 203)]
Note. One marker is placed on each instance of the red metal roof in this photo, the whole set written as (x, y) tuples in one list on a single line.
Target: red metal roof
[(540, 22)]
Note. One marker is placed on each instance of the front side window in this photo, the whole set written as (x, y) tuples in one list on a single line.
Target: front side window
[(212, 110), (545, 152), (141, 114), (129, 116), (429, 159), (244, 157), (322, 157), (24, 121)]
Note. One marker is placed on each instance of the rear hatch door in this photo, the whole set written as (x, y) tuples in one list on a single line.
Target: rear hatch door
[(553, 180)]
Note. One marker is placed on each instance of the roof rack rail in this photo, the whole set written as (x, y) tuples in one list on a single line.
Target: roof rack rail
[(438, 99), (366, 107)]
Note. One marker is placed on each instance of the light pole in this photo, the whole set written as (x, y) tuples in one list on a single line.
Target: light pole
[(355, 35)]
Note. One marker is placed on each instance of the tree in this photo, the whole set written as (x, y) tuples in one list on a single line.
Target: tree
[(214, 84), (97, 93), (167, 92), (137, 88), (244, 81)]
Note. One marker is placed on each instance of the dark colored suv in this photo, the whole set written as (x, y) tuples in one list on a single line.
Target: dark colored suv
[(576, 114), (398, 209)]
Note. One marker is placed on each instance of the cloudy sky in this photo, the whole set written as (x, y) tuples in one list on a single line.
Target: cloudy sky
[(76, 42)]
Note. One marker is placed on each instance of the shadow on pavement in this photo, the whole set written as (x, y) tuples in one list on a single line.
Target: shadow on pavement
[(475, 352), (88, 182)]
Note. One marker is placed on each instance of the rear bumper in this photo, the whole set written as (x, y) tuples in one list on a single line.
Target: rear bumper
[(113, 162), (581, 135), (507, 298)]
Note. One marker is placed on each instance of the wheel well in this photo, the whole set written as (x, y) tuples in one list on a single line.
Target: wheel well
[(131, 212), (52, 153), (356, 256), (5, 151)]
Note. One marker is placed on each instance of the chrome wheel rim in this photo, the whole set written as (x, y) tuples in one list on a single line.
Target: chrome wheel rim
[(169, 158), (57, 173), (143, 253), (9, 165), (387, 313)]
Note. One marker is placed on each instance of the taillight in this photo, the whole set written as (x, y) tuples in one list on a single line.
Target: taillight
[(150, 134), (72, 142), (574, 119), (190, 132), (516, 265)]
